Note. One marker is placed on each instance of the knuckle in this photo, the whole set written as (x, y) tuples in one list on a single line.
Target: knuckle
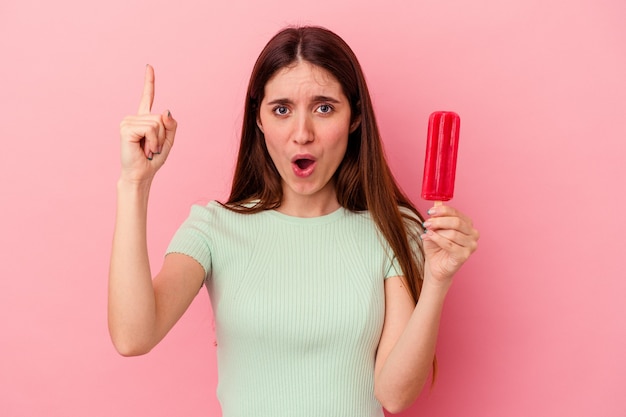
[(153, 127), (125, 122), (125, 129)]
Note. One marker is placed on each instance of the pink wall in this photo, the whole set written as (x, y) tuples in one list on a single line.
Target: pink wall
[(535, 323)]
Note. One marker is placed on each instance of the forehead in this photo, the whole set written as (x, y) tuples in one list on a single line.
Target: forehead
[(302, 78)]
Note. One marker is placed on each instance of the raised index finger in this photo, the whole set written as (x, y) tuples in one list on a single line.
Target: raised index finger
[(148, 92)]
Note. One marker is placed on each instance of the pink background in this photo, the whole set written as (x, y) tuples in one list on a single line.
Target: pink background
[(534, 325)]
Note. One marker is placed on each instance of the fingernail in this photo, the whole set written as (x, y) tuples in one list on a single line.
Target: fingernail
[(158, 152), (431, 211), (150, 155), (169, 114), (426, 224)]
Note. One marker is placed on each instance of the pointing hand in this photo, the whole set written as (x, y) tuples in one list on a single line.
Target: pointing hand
[(146, 138)]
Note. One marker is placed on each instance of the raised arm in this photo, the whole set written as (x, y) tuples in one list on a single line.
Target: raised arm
[(140, 311)]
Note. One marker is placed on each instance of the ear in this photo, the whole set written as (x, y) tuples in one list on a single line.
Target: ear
[(355, 124), (258, 123)]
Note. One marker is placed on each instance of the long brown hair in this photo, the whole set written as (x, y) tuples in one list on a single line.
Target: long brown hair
[(363, 179)]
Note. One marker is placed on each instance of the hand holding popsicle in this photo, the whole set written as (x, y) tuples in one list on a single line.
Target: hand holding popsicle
[(449, 236), (449, 239), (146, 139)]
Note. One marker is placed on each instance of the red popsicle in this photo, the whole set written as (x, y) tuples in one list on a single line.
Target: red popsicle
[(441, 150)]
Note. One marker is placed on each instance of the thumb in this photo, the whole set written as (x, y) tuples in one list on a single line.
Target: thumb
[(170, 125)]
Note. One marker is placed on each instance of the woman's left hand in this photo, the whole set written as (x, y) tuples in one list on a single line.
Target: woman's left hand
[(449, 240)]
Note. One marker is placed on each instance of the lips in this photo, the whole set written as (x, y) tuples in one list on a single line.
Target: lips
[(303, 165)]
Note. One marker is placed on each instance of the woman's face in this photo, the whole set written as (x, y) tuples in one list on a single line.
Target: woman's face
[(305, 118)]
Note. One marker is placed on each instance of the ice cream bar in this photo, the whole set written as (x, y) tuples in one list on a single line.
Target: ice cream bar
[(441, 149)]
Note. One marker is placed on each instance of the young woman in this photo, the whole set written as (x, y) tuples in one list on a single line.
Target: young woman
[(326, 283)]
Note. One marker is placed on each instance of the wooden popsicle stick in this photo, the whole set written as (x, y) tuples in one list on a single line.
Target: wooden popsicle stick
[(438, 203)]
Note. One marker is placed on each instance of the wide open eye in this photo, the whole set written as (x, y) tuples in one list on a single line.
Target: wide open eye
[(281, 110), (325, 108)]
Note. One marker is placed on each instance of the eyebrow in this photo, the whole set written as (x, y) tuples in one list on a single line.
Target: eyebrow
[(315, 99)]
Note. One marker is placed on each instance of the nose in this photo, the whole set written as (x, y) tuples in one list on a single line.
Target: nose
[(303, 129)]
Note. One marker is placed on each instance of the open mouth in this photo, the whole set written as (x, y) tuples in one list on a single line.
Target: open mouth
[(304, 163)]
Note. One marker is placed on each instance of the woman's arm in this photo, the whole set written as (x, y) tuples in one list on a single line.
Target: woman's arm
[(407, 346), (141, 311), (131, 304)]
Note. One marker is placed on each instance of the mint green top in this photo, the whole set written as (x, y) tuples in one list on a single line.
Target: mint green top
[(299, 308)]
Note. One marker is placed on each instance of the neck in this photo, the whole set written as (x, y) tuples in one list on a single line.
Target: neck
[(315, 205)]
